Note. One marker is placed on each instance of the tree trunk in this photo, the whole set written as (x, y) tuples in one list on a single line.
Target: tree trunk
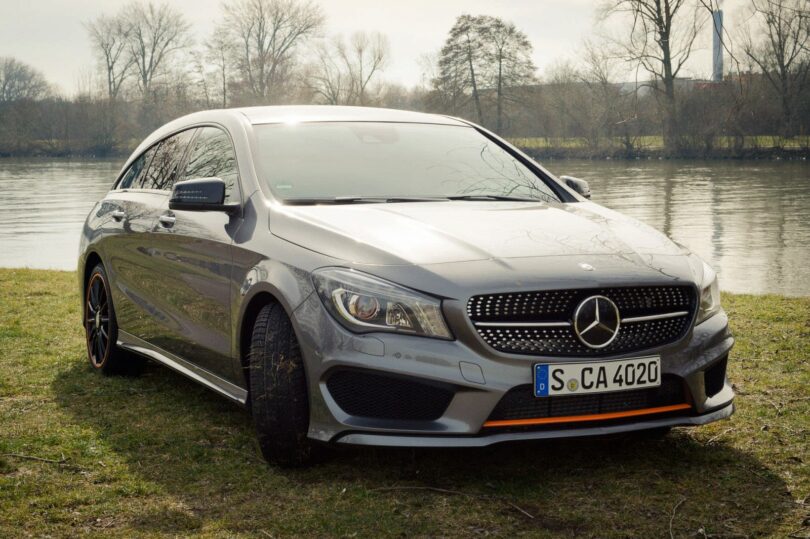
[(476, 98), (499, 112)]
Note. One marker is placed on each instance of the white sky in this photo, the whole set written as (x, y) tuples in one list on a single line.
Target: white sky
[(49, 35)]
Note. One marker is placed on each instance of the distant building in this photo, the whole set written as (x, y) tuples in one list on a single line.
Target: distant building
[(717, 45)]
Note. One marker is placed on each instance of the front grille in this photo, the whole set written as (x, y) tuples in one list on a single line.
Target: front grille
[(368, 394), (520, 402), (540, 323)]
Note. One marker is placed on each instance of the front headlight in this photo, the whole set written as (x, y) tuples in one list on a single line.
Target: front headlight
[(709, 294), (363, 303)]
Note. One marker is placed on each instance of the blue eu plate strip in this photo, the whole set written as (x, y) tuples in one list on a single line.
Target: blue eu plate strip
[(541, 380)]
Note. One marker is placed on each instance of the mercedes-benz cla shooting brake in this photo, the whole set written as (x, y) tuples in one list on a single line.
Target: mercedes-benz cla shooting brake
[(390, 278)]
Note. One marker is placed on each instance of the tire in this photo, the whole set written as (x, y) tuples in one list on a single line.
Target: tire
[(101, 329), (279, 399)]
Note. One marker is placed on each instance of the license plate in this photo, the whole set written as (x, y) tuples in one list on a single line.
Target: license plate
[(596, 377)]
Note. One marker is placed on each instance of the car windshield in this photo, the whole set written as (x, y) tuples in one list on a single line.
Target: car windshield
[(389, 162)]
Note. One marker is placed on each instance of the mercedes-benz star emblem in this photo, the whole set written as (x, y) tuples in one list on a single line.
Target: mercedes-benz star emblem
[(596, 321)]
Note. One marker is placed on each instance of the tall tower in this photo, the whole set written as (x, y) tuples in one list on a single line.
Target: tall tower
[(717, 45)]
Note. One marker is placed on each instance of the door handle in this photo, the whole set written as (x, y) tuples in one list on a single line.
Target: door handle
[(166, 220), (118, 215)]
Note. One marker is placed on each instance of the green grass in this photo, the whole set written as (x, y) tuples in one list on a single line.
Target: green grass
[(158, 455)]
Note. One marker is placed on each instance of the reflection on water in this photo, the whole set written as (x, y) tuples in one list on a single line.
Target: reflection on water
[(748, 219), (43, 204)]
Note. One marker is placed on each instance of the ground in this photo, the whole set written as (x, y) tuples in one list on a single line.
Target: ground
[(158, 455)]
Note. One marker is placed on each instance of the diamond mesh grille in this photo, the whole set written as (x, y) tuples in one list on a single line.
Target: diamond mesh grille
[(559, 306)]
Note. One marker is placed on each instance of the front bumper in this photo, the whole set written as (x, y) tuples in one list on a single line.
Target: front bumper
[(479, 378), (401, 440)]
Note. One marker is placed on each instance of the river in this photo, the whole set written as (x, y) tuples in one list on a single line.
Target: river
[(749, 219)]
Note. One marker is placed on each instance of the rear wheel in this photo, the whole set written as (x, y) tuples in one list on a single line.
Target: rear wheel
[(278, 390), (101, 329)]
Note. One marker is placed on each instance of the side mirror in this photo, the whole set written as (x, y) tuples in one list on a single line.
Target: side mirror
[(201, 194), (580, 186)]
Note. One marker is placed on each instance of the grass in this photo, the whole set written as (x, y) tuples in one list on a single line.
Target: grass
[(158, 455)]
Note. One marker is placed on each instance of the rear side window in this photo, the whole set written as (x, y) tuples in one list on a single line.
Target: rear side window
[(213, 157), (162, 172), (132, 176)]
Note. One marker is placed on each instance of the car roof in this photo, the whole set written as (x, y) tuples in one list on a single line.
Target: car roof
[(326, 113)]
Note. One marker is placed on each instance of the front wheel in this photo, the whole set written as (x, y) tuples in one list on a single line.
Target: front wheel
[(101, 329), (278, 390)]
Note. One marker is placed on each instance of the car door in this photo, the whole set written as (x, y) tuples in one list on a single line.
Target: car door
[(133, 207), (195, 262)]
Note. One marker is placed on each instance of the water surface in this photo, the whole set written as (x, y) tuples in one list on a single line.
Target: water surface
[(749, 219)]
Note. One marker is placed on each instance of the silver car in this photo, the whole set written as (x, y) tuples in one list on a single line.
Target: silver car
[(391, 278)]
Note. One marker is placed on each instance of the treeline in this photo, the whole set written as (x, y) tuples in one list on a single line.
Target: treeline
[(152, 68)]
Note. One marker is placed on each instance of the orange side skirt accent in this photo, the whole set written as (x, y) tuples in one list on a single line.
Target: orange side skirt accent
[(592, 417)]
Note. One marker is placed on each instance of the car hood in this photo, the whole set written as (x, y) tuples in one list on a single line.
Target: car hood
[(424, 233)]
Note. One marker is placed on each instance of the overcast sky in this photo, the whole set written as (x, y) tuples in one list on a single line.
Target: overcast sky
[(49, 35)]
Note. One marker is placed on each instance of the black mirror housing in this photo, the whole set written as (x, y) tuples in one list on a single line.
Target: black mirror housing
[(578, 185), (200, 194)]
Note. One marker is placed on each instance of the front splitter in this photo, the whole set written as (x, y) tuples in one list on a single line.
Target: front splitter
[(482, 440)]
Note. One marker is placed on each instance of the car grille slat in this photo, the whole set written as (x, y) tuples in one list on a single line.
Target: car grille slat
[(540, 323)]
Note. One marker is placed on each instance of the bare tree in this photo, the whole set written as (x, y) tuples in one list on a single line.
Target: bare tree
[(460, 61), (327, 77), (201, 75), (779, 45), (343, 72), (660, 41), (218, 51), (365, 57), (20, 81), (614, 110), (569, 102), (155, 33), (266, 34), (485, 54), (508, 51), (109, 35)]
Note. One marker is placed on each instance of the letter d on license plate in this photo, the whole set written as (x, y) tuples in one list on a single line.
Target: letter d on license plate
[(596, 377)]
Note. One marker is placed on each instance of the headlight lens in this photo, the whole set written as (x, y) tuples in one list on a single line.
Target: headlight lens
[(709, 295), (364, 303)]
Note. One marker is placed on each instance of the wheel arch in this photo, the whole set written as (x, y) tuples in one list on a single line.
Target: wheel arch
[(261, 296), (90, 261)]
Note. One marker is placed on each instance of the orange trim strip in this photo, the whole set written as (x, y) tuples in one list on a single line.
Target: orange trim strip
[(592, 417)]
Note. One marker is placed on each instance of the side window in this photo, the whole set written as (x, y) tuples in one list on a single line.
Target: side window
[(138, 179), (162, 172), (213, 156), (133, 172)]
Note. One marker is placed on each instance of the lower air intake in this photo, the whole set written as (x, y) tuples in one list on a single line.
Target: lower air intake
[(715, 377), (520, 402), (372, 395)]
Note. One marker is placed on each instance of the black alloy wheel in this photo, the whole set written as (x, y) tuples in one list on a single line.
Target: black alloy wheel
[(101, 329), (97, 321)]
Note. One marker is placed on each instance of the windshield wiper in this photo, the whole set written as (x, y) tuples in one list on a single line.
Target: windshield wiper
[(359, 200), (494, 197), (309, 201)]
